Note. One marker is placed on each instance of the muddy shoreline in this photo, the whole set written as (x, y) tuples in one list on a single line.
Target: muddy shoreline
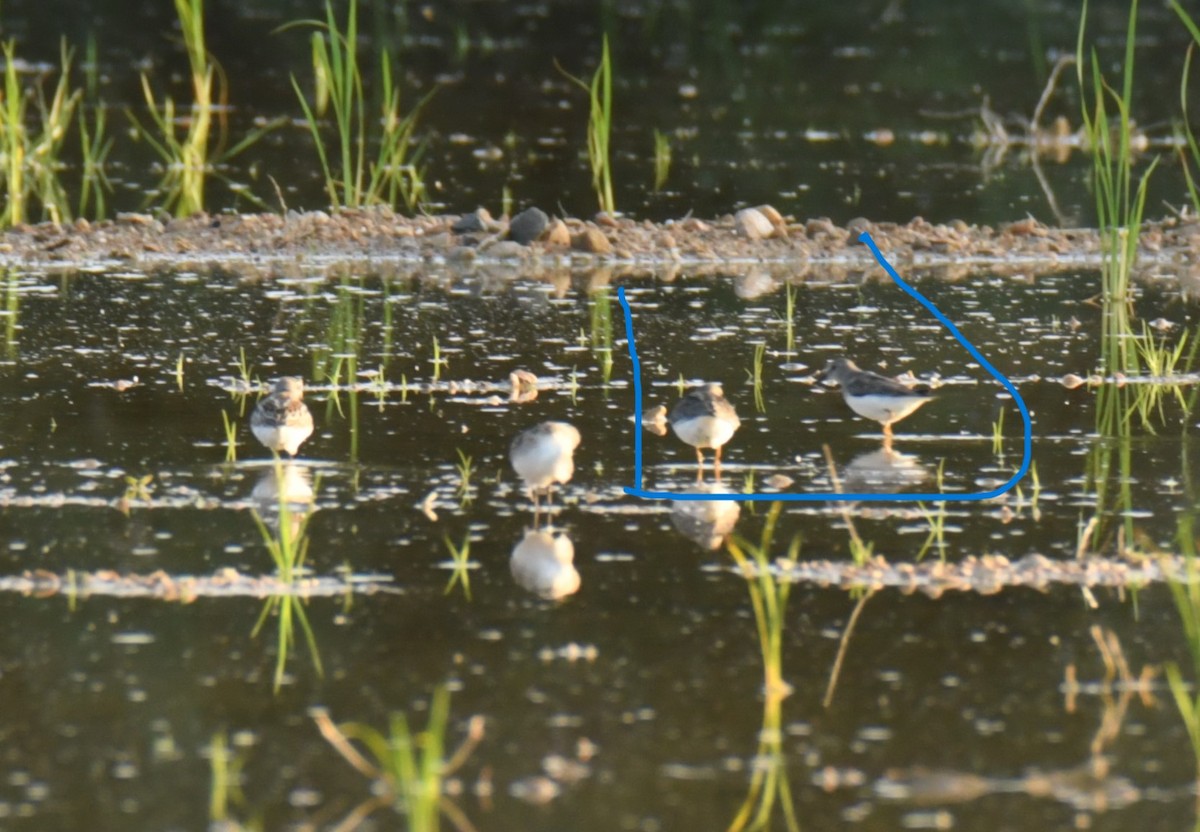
[(378, 238)]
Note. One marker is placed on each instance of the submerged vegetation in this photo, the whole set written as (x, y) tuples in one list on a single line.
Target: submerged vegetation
[(407, 770), (769, 784), (284, 532)]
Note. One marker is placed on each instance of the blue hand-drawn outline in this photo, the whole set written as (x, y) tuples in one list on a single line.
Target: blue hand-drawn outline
[(638, 491)]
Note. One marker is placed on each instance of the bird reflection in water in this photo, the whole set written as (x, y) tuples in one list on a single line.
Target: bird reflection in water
[(543, 562), (707, 522), (284, 488), (883, 470)]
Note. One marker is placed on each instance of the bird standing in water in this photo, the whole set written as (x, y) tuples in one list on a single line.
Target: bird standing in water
[(877, 397), (281, 420), (704, 418), (543, 455)]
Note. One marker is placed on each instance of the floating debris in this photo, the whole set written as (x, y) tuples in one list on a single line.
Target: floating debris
[(524, 386), (224, 583), (120, 385), (427, 506), (536, 790), (778, 481), (655, 420), (986, 575)]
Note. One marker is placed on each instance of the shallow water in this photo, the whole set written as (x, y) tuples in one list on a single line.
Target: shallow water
[(649, 675), (638, 700)]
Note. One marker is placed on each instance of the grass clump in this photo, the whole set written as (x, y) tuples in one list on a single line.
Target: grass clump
[(662, 159), (190, 157), (599, 130), (30, 156), (465, 467), (1120, 203), (936, 539), (352, 179), (1191, 154)]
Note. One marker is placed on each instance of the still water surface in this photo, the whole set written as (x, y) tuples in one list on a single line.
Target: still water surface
[(947, 711)]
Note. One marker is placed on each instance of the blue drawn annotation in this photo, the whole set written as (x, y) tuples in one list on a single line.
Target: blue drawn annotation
[(638, 491)]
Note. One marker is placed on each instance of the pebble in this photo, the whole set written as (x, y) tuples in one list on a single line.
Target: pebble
[(505, 250), (478, 220), (751, 224), (820, 226), (774, 217), (655, 420), (557, 234), (536, 790), (591, 240), (606, 219), (134, 218), (528, 226), (1025, 227)]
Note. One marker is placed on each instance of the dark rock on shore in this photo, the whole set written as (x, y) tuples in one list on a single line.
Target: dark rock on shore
[(528, 226)]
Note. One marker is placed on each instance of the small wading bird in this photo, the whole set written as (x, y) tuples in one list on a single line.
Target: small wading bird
[(543, 455), (877, 397), (704, 418), (281, 420)]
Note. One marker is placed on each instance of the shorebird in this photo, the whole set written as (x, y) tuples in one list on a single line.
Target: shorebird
[(877, 397), (543, 455), (281, 420), (704, 418)]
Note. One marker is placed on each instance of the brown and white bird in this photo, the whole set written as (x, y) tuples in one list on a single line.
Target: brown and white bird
[(544, 455), (877, 397), (704, 418), (281, 420)]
